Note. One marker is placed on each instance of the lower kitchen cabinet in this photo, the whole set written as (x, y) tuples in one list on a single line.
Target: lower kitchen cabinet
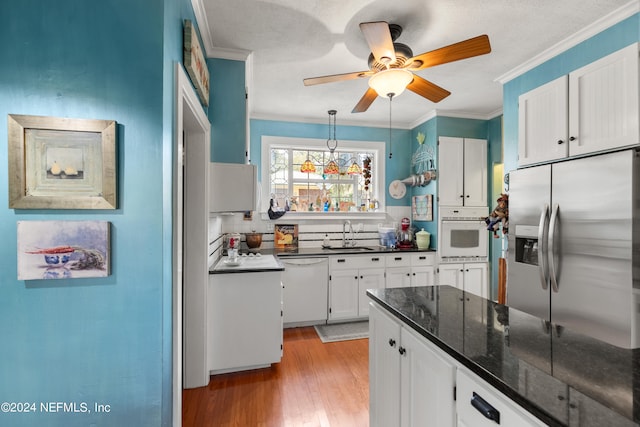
[(244, 321), (480, 405), (349, 279), (411, 269), (470, 277), (411, 384)]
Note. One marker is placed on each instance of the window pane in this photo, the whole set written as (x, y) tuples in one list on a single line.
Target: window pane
[(318, 191)]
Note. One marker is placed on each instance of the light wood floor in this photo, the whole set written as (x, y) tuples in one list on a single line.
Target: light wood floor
[(315, 384)]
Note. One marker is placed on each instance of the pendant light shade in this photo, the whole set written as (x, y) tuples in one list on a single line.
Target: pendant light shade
[(331, 168), (392, 80), (308, 167), (354, 169)]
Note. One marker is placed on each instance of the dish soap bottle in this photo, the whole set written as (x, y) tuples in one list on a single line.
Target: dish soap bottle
[(325, 242)]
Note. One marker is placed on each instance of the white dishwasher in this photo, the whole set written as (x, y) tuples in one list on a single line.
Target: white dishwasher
[(306, 289)]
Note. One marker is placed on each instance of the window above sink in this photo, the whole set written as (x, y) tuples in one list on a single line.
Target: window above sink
[(320, 195)]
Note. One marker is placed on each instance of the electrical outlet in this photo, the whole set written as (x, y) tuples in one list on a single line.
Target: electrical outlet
[(270, 226)]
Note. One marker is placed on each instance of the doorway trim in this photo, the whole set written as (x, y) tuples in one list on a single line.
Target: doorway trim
[(190, 241)]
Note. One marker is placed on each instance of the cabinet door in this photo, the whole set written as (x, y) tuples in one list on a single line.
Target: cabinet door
[(369, 279), (426, 384), (475, 279), (384, 369), (422, 276), (603, 103), (450, 167), (343, 294), (543, 123), (398, 277), (475, 172), (451, 274)]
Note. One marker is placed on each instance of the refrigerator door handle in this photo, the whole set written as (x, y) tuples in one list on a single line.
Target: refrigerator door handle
[(551, 249), (542, 248)]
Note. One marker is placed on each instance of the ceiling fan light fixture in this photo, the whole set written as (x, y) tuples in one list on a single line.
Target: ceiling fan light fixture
[(393, 80)]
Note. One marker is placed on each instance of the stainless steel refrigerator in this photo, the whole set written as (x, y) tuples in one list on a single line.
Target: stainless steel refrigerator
[(574, 245)]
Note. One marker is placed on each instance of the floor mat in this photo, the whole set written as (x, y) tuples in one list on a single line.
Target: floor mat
[(343, 331)]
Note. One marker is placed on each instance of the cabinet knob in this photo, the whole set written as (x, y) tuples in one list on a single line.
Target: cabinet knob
[(462, 196), (402, 351), (356, 277), (361, 277), (572, 138), (408, 274), (392, 342), (560, 142), (467, 196)]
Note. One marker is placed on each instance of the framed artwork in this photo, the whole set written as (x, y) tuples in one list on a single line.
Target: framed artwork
[(63, 249), (285, 236), (422, 207), (60, 163), (195, 63)]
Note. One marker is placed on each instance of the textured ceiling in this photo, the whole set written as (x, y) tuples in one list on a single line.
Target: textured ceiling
[(290, 40)]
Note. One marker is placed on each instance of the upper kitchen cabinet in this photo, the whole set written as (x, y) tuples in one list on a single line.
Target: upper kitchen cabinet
[(462, 172), (228, 111), (592, 109)]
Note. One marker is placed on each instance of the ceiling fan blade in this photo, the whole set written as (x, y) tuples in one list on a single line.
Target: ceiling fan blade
[(462, 50), (379, 40), (335, 78), (425, 88), (367, 99)]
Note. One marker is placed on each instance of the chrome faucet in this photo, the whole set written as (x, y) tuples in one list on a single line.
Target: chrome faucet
[(344, 235)]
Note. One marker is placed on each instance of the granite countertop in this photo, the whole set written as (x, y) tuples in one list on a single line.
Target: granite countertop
[(561, 377)]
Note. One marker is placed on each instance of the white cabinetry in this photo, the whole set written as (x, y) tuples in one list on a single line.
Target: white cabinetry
[(398, 270), (306, 289), (349, 279), (232, 187), (470, 277), (462, 171), (244, 314), (411, 384), (410, 269), (593, 109), (480, 405)]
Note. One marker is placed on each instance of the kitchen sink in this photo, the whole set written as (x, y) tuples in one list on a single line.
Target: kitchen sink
[(348, 248)]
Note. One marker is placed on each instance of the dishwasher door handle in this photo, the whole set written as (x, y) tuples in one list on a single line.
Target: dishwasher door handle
[(314, 262)]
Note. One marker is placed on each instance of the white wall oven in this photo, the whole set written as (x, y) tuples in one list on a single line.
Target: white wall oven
[(463, 234)]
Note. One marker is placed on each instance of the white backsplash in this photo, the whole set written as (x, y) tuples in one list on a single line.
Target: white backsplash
[(311, 232)]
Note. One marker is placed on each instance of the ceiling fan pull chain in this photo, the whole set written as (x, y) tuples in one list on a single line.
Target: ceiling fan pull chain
[(390, 95)]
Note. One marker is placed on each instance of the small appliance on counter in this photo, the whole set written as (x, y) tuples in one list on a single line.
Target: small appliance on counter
[(387, 236), (405, 235)]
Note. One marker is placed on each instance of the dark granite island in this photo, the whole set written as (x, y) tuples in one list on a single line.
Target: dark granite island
[(562, 378)]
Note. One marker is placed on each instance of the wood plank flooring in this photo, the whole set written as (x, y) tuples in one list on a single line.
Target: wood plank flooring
[(315, 384)]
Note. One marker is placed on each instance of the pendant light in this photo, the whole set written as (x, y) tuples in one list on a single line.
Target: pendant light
[(308, 166), (331, 168), (354, 169)]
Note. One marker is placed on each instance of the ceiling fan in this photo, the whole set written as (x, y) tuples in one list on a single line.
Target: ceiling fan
[(391, 64)]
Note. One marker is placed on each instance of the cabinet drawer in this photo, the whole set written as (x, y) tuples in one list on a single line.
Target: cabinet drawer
[(399, 260), (477, 402), (358, 261), (420, 259)]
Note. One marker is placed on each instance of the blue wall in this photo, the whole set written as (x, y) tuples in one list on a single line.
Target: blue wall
[(396, 168), (106, 340), (434, 128), (227, 111)]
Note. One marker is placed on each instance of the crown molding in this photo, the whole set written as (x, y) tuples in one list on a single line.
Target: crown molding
[(316, 120), (587, 32), (232, 54)]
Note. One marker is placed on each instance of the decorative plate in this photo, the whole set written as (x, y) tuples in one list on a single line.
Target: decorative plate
[(397, 189)]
